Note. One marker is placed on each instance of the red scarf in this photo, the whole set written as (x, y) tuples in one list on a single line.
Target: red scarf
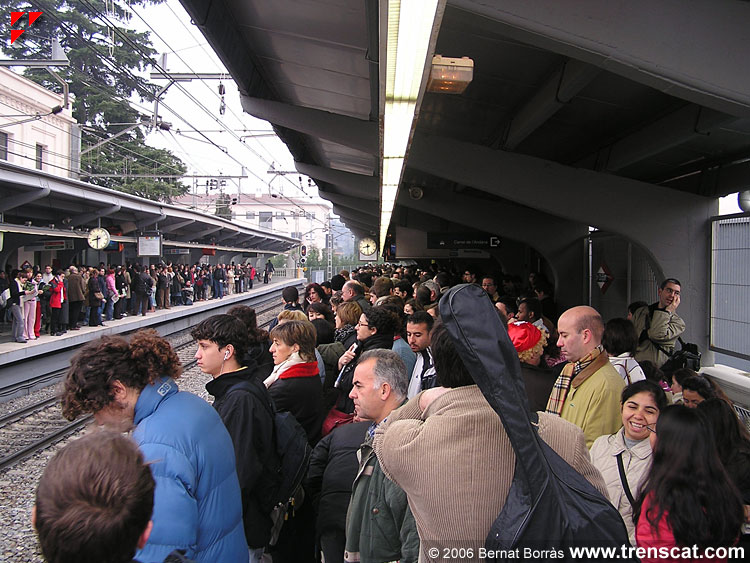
[(306, 369)]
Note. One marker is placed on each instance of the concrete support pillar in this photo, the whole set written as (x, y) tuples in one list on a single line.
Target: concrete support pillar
[(672, 226)]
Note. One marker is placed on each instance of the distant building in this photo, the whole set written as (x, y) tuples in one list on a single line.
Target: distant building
[(303, 218), (50, 142)]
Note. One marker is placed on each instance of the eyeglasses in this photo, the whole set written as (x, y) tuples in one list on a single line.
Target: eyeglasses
[(362, 324)]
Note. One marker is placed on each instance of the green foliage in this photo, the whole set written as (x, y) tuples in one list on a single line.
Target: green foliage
[(100, 83), (279, 261)]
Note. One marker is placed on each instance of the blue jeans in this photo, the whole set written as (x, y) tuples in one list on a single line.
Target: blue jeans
[(17, 320), (218, 289), (109, 309)]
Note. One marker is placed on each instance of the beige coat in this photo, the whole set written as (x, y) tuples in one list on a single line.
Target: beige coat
[(636, 462), (456, 464)]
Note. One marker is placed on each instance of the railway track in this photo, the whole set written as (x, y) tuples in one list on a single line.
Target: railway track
[(33, 428)]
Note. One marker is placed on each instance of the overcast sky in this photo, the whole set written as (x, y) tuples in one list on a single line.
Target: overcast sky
[(188, 51)]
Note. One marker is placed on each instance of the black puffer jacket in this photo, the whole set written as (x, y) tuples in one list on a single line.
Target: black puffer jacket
[(333, 467)]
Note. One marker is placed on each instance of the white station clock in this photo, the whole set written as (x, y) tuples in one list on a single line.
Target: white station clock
[(99, 238), (368, 249)]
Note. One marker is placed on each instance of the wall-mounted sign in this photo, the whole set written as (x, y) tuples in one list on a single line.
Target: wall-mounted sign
[(62, 244), (458, 241), (604, 278), (177, 251), (149, 245)]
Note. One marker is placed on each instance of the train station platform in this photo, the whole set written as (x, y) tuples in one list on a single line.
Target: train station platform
[(24, 367)]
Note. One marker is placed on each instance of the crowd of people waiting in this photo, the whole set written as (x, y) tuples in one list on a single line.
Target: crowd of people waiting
[(407, 454), (46, 301)]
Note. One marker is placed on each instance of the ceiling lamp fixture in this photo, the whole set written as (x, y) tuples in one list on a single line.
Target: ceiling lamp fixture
[(450, 75), (411, 27)]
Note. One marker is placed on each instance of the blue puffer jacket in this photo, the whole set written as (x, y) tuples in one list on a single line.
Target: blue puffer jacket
[(197, 499)]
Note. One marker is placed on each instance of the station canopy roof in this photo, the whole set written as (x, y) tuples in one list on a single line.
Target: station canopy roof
[(653, 93), (35, 202)]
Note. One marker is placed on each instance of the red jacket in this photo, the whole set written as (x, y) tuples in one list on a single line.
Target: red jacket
[(57, 296)]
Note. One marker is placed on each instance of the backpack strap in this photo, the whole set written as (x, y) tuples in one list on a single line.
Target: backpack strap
[(644, 333), (624, 480), (252, 388)]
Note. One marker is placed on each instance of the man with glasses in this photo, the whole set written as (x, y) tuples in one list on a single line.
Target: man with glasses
[(490, 287), (658, 325), (470, 274)]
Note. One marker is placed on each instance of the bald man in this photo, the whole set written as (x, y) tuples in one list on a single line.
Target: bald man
[(587, 393)]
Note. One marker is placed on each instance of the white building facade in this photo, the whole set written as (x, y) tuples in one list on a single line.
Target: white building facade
[(30, 134), (303, 218)]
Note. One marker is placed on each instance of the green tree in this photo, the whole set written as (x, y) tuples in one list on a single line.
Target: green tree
[(279, 260), (104, 56)]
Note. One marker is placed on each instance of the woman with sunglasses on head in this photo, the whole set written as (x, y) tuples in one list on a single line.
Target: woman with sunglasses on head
[(688, 502), (629, 447)]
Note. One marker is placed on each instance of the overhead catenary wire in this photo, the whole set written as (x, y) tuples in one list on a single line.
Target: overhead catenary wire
[(164, 71), (118, 69)]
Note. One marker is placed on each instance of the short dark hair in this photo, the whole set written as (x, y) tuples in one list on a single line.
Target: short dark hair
[(619, 337), (675, 281), (450, 369), (290, 294), (443, 279), (651, 372), (94, 500), (533, 306), (382, 286), (680, 375), (424, 295), (323, 309), (544, 286), (644, 385), (700, 385), (248, 316), (510, 304), (421, 317), (337, 282), (635, 305), (405, 286), (324, 331), (223, 330), (383, 320)]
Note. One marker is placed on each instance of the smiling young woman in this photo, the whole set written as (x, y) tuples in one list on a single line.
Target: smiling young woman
[(629, 447)]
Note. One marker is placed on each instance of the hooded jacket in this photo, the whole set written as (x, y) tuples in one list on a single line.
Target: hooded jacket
[(197, 503)]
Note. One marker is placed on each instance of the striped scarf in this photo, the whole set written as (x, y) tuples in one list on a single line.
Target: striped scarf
[(562, 385)]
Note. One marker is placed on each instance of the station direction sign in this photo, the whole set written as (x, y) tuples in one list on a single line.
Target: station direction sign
[(460, 241)]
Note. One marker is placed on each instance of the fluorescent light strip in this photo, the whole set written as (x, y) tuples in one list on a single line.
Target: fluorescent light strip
[(409, 29)]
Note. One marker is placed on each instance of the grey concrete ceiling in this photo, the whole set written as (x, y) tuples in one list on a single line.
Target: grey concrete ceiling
[(646, 93)]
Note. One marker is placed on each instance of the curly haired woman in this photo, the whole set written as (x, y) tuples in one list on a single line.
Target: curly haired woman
[(131, 385)]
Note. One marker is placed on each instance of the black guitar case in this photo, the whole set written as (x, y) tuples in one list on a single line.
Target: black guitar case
[(550, 506)]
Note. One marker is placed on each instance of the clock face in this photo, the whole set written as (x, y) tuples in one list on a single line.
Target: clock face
[(98, 238), (368, 247)]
